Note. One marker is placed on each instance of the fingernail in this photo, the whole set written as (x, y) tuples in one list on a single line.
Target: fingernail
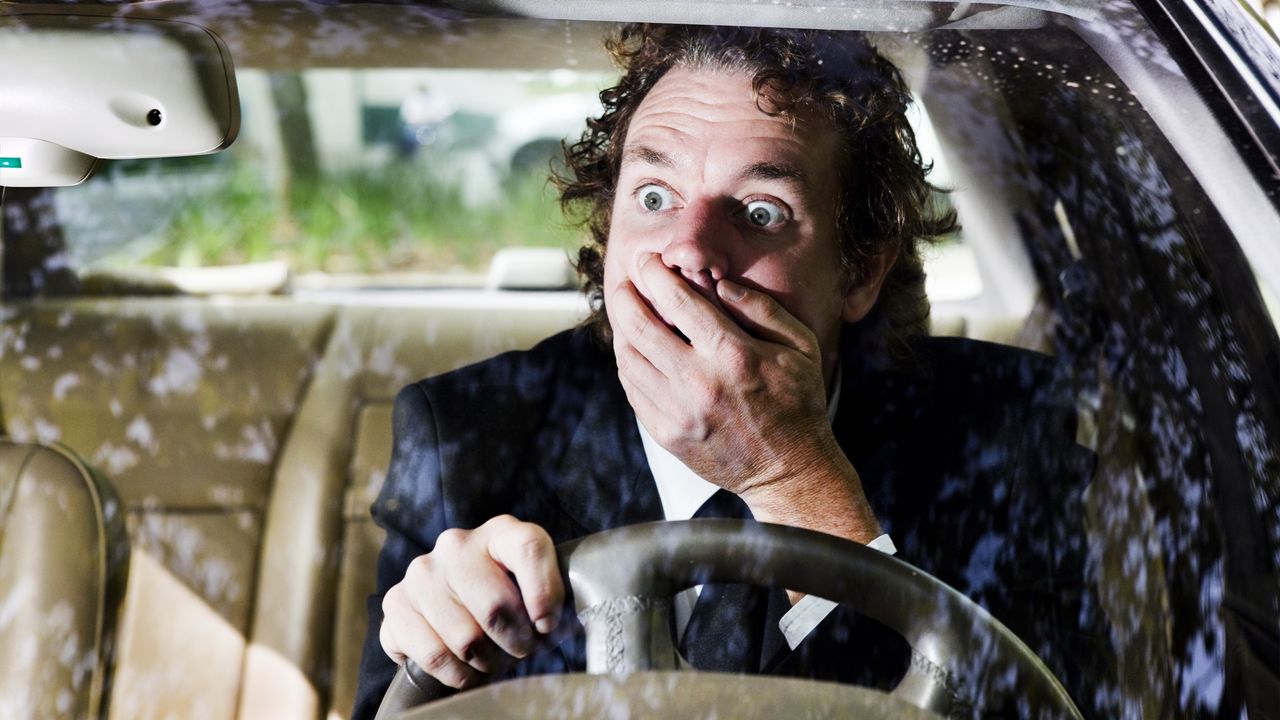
[(730, 290), (545, 625)]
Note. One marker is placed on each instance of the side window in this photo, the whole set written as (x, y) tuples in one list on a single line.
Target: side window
[(1154, 321)]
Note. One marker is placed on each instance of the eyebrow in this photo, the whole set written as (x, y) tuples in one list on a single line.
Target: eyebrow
[(772, 171), (646, 154)]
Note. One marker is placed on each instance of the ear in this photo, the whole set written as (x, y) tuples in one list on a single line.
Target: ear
[(862, 294)]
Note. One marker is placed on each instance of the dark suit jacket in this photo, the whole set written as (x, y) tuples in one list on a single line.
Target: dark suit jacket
[(967, 457)]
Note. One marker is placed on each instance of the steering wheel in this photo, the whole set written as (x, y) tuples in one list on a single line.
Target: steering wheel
[(964, 662)]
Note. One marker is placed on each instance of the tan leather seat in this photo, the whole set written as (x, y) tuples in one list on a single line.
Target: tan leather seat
[(997, 329), (63, 558), (339, 451), (247, 440), (184, 405), (1030, 332)]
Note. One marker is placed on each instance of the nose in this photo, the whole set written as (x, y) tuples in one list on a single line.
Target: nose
[(698, 246)]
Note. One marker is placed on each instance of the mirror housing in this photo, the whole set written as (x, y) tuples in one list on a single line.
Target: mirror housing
[(77, 89)]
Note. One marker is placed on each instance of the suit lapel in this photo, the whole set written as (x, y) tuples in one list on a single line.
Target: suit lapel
[(603, 479), (882, 410)]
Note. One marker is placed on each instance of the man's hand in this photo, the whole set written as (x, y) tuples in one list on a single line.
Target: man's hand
[(459, 614), (742, 403)]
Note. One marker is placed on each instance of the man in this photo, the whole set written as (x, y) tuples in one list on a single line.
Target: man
[(756, 200), (421, 115)]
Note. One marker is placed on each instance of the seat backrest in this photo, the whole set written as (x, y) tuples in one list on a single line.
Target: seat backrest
[(247, 440), (184, 404), (330, 472), (63, 562)]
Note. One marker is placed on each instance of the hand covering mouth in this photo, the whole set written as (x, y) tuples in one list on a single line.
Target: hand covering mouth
[(707, 292)]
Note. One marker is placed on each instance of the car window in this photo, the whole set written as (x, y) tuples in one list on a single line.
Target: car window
[(1084, 447), (402, 172), (400, 184)]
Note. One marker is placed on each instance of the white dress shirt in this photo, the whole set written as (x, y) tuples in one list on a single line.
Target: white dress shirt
[(683, 491)]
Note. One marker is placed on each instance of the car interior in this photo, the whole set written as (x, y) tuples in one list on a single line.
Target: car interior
[(186, 469)]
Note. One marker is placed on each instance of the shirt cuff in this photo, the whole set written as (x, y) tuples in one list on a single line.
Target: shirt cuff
[(811, 610)]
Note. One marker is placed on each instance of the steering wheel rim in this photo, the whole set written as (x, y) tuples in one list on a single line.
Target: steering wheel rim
[(623, 580)]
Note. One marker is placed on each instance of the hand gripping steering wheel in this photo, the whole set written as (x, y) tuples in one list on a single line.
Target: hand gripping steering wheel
[(964, 662)]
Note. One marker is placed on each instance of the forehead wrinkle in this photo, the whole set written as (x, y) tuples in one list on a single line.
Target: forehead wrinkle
[(662, 98), (686, 121)]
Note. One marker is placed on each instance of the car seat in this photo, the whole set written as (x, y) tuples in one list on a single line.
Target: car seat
[(63, 562)]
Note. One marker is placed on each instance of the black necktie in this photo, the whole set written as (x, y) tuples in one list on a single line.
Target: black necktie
[(727, 627)]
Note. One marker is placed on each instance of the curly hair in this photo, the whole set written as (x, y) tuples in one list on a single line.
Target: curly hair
[(885, 203)]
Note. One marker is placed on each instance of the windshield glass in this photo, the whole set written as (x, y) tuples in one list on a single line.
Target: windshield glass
[(349, 171), (1014, 260)]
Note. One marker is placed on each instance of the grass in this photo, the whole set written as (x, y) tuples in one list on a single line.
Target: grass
[(396, 219)]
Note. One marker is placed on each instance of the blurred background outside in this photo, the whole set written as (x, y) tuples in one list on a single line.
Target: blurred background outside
[(1269, 10), (359, 177), (422, 174)]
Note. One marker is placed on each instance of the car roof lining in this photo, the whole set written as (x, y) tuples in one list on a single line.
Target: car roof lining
[(522, 34), (878, 15)]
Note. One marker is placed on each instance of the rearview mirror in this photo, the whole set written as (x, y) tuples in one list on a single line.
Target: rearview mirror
[(77, 89)]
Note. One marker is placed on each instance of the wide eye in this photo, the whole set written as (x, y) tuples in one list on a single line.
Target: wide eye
[(654, 198), (764, 214)]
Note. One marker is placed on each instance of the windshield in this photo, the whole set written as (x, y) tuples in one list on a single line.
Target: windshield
[(1046, 365), (373, 172)]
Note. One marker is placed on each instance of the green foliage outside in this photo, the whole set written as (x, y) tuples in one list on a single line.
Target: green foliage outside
[(394, 219)]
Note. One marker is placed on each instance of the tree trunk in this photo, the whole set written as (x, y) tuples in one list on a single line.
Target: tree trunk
[(290, 95)]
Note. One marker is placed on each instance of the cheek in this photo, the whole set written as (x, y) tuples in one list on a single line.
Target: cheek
[(614, 273), (626, 243), (615, 255), (807, 290)]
